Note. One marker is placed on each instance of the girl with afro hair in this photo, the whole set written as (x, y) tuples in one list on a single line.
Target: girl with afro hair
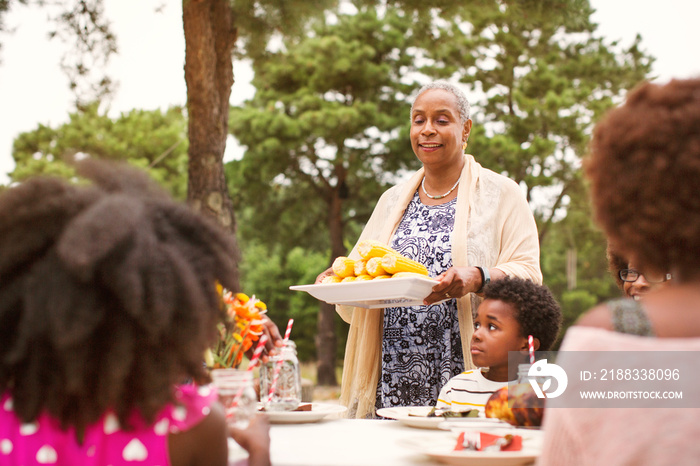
[(108, 301)]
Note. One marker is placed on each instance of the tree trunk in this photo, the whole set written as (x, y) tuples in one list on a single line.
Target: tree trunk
[(209, 39), (326, 340), (326, 343)]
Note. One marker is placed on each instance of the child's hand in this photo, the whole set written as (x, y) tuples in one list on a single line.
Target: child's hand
[(255, 439), (273, 343)]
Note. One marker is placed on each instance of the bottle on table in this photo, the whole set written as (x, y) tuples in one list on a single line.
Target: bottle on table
[(284, 393)]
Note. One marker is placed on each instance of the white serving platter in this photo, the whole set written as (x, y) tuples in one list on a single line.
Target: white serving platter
[(373, 294)]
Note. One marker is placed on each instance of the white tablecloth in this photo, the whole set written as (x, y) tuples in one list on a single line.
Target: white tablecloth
[(356, 442)]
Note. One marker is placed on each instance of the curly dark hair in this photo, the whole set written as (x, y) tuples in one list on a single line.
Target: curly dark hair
[(644, 166), (616, 262), (107, 294), (538, 313)]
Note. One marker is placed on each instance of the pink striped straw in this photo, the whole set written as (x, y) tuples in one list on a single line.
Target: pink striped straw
[(289, 330), (258, 351), (531, 345), (278, 367)]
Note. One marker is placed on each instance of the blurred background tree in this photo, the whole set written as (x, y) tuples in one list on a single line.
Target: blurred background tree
[(153, 140)]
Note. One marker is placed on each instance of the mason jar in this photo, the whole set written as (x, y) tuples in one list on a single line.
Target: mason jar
[(280, 380), (236, 394)]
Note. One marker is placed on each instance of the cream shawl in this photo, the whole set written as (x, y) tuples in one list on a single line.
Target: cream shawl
[(493, 227)]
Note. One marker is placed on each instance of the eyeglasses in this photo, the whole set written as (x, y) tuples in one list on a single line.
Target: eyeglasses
[(632, 275)]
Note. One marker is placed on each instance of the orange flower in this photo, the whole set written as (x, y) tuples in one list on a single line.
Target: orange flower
[(243, 327)]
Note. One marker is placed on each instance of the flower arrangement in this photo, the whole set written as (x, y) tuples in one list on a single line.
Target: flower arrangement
[(242, 327)]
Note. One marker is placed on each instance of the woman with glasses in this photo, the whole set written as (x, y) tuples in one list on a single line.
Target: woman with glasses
[(621, 315), (637, 284), (644, 168), (630, 279)]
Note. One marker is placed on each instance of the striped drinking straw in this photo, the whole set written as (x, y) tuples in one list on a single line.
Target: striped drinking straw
[(258, 351)]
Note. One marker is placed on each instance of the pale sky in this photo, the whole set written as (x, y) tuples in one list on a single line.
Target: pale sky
[(149, 67)]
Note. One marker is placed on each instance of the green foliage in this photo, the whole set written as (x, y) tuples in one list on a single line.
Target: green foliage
[(153, 140), (573, 304)]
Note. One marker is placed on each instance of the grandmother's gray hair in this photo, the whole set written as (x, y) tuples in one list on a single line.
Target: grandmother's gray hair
[(462, 102)]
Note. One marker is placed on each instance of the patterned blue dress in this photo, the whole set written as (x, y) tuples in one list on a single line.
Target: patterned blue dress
[(421, 346)]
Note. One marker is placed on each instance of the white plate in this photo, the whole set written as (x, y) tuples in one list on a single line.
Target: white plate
[(416, 416), (318, 412), (442, 450), (373, 294)]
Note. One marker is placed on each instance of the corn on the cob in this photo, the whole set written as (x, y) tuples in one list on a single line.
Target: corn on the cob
[(371, 248), (331, 279), (382, 277), (394, 263), (344, 267), (360, 267), (374, 266), (349, 278), (363, 277)]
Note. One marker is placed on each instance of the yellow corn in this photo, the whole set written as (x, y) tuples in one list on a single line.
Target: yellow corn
[(393, 263), (360, 267), (349, 278), (374, 266), (344, 267), (371, 248), (381, 277), (331, 279), (363, 277)]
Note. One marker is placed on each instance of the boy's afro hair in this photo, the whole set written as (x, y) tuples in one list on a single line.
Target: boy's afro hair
[(538, 313)]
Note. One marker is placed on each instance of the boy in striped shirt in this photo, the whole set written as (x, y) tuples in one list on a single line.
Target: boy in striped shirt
[(512, 309)]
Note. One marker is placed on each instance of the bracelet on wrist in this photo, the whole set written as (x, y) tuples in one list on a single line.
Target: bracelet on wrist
[(485, 278)]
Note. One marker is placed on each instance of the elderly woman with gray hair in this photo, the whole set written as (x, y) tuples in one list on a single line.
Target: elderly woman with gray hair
[(467, 225)]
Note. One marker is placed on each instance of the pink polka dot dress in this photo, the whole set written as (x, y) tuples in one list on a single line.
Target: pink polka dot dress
[(44, 443)]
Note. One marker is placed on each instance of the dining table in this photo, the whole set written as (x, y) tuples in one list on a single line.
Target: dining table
[(335, 440), (347, 442)]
